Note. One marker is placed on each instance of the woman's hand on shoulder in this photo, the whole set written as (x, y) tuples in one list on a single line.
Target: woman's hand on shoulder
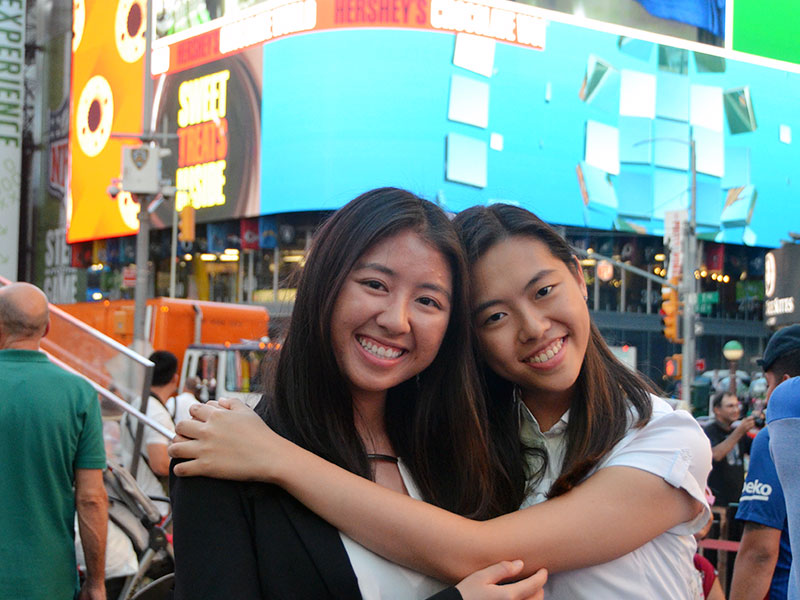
[(227, 440), (487, 584)]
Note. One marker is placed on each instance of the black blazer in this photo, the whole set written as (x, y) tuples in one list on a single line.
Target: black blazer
[(253, 541)]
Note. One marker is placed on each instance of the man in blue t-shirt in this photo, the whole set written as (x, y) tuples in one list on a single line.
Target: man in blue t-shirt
[(765, 557), (783, 421)]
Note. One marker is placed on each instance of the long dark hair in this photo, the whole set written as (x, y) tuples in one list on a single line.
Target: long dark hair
[(436, 420), (606, 390)]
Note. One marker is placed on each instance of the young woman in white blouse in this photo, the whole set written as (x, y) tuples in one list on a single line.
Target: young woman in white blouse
[(622, 474), (375, 376)]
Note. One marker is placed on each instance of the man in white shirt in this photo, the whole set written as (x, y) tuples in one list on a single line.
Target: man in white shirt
[(154, 460), (178, 406)]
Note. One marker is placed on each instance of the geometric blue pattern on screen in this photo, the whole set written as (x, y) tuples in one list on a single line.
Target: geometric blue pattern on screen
[(466, 160), (671, 192), (635, 140), (635, 194), (671, 144)]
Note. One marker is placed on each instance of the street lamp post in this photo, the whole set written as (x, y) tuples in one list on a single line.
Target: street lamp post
[(143, 237), (733, 352), (688, 287), (688, 284)]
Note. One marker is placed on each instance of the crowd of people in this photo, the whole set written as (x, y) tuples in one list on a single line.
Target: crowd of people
[(444, 421)]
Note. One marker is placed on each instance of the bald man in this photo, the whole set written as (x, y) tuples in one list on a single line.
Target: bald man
[(51, 444)]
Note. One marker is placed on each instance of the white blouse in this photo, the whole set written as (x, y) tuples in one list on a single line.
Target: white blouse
[(671, 446), (380, 579)]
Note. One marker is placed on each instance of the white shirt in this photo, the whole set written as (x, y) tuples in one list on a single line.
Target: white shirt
[(672, 446), (147, 481), (121, 558), (178, 406), (380, 579)]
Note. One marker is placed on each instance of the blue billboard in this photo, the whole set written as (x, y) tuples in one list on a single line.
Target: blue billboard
[(592, 130)]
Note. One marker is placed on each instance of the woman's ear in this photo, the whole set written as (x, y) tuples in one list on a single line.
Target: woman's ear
[(579, 278)]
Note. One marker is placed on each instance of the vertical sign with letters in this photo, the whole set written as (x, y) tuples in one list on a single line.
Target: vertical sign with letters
[(782, 286), (12, 59)]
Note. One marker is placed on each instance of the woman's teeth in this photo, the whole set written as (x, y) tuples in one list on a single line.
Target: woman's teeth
[(379, 351), (548, 352)]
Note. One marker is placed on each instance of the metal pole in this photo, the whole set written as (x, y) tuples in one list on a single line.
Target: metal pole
[(140, 291), (276, 256), (250, 275), (732, 378), (688, 287), (142, 244), (143, 237), (174, 258), (147, 108)]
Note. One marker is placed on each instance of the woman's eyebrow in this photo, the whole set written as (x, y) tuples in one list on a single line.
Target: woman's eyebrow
[(376, 266), (391, 273), (535, 279), (436, 288), (531, 283)]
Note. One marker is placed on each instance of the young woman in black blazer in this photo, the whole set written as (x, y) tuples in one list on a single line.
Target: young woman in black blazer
[(376, 375)]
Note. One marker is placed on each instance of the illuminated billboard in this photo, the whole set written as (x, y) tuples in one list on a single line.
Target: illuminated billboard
[(593, 130), (301, 105), (215, 111), (107, 93)]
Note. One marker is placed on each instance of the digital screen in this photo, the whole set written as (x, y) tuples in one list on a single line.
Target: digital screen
[(302, 105)]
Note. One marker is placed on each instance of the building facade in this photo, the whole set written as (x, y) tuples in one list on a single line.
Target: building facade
[(275, 114)]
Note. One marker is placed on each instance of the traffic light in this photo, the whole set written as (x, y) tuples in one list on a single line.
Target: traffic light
[(670, 311), (673, 366), (186, 224)]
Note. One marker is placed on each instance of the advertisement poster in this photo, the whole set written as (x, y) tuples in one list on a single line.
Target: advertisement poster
[(300, 105), (107, 93), (12, 41), (215, 110)]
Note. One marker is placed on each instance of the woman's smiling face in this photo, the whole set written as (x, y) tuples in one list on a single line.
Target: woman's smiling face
[(391, 314), (531, 317)]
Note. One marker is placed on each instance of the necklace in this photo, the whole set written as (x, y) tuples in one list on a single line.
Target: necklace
[(383, 457)]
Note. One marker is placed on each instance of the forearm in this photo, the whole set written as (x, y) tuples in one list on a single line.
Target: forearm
[(407, 531), (720, 451), (751, 579), (755, 562), (565, 533), (93, 525)]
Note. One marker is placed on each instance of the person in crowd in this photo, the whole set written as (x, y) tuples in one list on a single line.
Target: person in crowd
[(729, 445), (765, 555), (153, 467), (178, 406), (783, 422), (623, 475), (376, 375), (51, 441)]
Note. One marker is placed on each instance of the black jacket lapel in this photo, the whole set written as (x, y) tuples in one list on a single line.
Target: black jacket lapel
[(325, 547)]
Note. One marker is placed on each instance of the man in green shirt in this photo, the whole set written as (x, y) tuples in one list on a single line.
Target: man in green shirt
[(51, 443)]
